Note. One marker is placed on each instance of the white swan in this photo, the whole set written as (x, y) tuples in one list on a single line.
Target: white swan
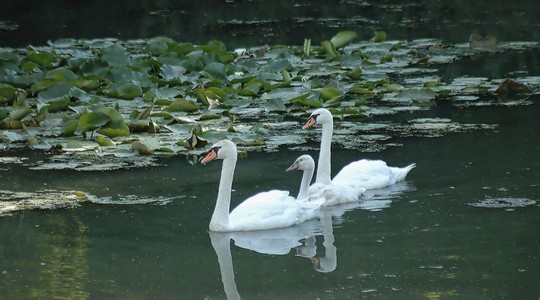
[(332, 193), (266, 210), (368, 174)]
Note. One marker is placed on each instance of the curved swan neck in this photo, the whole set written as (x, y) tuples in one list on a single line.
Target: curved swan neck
[(220, 217), (323, 167), (307, 175)]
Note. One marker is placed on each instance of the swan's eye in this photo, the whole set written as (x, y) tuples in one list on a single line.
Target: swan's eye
[(215, 149)]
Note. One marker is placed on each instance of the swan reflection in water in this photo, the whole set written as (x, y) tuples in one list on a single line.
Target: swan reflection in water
[(300, 238)]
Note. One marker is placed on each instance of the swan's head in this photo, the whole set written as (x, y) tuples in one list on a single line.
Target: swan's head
[(220, 150), (304, 162), (319, 116)]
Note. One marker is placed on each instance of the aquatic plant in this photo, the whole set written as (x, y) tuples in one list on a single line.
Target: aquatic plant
[(101, 96)]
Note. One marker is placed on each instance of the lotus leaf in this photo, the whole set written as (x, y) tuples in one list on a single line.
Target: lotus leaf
[(216, 71), (251, 88), (193, 64), (378, 36), (62, 74), (54, 106), (355, 74), (171, 72), (179, 49), (329, 94), (330, 49), (275, 105), (360, 90), (276, 66), (309, 99), (194, 141), (42, 58), (141, 148), (158, 45), (201, 96), (87, 84), (343, 38), (104, 141), (69, 127), (8, 56), (238, 102), (8, 93), (56, 91), (91, 121), (207, 116), (182, 105), (115, 56), (126, 90)]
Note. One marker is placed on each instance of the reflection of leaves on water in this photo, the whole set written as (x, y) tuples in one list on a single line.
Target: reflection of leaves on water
[(11, 201), (503, 203), (43, 199), (93, 161)]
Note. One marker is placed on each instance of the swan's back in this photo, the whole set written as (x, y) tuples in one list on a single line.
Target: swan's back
[(272, 209), (370, 174)]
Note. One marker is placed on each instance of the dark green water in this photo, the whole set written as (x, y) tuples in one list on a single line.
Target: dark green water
[(422, 241), (418, 240)]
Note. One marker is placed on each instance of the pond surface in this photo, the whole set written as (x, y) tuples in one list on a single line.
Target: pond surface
[(429, 237), (465, 224)]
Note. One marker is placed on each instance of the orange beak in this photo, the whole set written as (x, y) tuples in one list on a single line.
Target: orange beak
[(310, 122), (210, 156)]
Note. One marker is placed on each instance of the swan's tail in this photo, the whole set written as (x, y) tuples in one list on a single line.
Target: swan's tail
[(401, 173)]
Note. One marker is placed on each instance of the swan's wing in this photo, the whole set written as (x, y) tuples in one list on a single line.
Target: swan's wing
[(338, 194), (267, 210), (316, 188), (369, 174)]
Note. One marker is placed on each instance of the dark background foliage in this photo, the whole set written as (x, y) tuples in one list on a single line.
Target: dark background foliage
[(249, 23)]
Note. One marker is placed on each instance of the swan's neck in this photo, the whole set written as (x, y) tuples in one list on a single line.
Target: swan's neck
[(220, 218), (323, 167), (221, 243), (329, 261), (304, 185)]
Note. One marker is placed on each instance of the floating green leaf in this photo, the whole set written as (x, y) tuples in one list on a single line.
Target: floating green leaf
[(115, 56), (61, 74), (104, 141), (329, 94), (378, 36), (8, 93), (91, 121), (251, 88), (343, 38), (182, 105), (331, 51), (56, 92), (126, 90), (355, 74), (171, 72), (276, 66), (42, 58), (216, 71)]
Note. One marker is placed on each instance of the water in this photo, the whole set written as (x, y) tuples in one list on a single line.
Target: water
[(252, 23), (146, 237), (424, 240)]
